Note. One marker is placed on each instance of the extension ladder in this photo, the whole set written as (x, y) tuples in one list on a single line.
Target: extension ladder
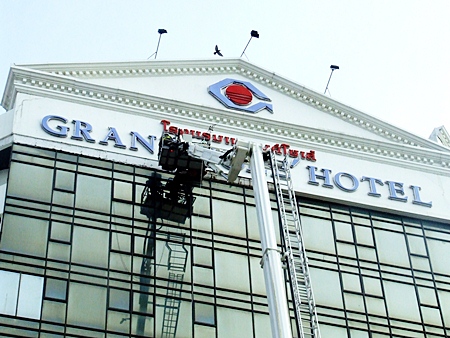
[(294, 250)]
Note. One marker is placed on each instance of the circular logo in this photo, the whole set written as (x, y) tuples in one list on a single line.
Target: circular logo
[(238, 94)]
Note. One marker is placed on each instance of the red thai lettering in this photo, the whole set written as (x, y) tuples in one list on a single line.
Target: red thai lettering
[(165, 124), (217, 138), (173, 130), (284, 147), (276, 149), (206, 136), (293, 153), (311, 156)]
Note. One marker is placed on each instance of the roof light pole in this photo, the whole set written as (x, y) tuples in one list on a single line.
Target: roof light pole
[(161, 31), (333, 68), (253, 34)]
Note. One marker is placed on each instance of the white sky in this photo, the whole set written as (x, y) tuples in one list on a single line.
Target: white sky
[(394, 55)]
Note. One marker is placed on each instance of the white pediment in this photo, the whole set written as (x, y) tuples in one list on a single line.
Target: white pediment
[(187, 82)]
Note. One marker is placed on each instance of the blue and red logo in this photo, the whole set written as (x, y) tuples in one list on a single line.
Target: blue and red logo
[(240, 95)]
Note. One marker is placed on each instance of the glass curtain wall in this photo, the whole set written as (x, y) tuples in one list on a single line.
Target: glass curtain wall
[(375, 274), (78, 259)]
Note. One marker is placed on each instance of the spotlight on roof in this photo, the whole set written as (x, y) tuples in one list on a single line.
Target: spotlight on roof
[(253, 34), (161, 31), (333, 68)]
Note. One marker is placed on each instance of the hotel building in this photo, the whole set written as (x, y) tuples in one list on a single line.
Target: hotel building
[(83, 255)]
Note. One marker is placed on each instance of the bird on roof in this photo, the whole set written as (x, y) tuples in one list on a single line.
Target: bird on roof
[(217, 51)]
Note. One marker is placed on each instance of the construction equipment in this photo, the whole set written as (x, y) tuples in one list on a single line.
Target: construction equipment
[(173, 201), (294, 250)]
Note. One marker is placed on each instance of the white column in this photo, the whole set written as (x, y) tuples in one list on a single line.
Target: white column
[(273, 272)]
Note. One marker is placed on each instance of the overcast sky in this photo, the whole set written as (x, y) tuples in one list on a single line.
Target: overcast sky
[(393, 55)]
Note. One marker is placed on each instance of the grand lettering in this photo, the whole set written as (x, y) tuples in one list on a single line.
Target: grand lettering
[(56, 126), (349, 183)]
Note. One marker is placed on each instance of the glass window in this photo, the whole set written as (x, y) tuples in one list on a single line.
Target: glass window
[(354, 302), (203, 256), (86, 305), (367, 254), (263, 328), (431, 316), (24, 235), (427, 296), (202, 206), (56, 289), (54, 311), (58, 251), (60, 231), (358, 334), (119, 299), (20, 294), (9, 289), (420, 263), (375, 306), (364, 235), (391, 248), (229, 218), (417, 245), (372, 286), (30, 296), (119, 322), (327, 287), (203, 276), (65, 180), (201, 331), (343, 231), (231, 271), (332, 331), (439, 249), (90, 246), (402, 301), (120, 241), (444, 298), (204, 313), (351, 282), (347, 250), (93, 193), (233, 323), (23, 182), (258, 282), (123, 190), (120, 262), (318, 234), (64, 199)]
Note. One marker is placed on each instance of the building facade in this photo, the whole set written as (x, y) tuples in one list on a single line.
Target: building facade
[(83, 255)]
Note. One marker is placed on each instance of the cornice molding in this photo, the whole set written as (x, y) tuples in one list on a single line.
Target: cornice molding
[(73, 90)]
